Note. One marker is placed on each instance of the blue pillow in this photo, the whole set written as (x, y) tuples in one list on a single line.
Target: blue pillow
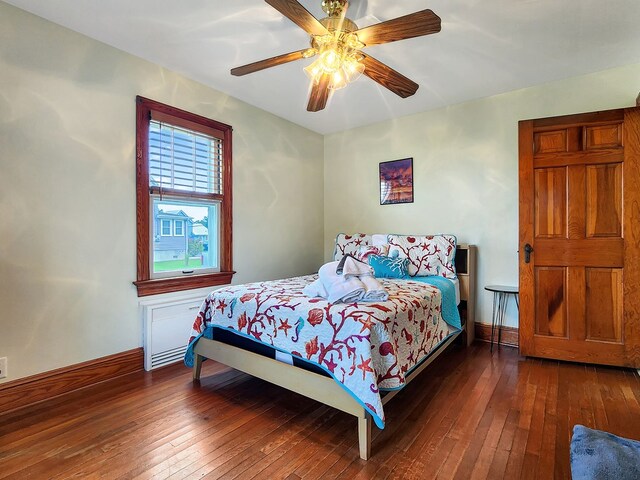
[(387, 267)]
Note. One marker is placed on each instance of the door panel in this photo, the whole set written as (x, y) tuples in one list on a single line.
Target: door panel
[(604, 304), (604, 200), (603, 136), (548, 142), (577, 209), (580, 211), (551, 305), (551, 193)]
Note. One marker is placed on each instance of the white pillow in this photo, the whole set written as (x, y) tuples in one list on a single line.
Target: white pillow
[(378, 239)]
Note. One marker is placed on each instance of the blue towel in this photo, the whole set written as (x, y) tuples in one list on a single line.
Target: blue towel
[(603, 456)]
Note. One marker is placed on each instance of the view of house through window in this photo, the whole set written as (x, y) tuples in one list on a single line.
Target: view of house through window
[(191, 243)]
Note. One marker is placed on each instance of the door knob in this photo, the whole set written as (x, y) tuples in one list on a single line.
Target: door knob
[(528, 250)]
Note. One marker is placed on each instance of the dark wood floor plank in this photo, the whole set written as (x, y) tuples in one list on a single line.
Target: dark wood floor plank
[(521, 434), (501, 402), (633, 403), (429, 407), (582, 389), (507, 436), (215, 448), (329, 440), (212, 417), (472, 414), (290, 449), (427, 447), (529, 468), (563, 427), (250, 451), (600, 419), (471, 433), (169, 438), (548, 445)]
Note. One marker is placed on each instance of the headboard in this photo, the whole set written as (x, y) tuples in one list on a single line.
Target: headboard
[(466, 272)]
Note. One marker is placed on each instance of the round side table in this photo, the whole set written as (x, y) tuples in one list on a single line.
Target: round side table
[(500, 299)]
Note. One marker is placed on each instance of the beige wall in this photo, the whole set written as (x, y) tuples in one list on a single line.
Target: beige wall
[(465, 170), (67, 191)]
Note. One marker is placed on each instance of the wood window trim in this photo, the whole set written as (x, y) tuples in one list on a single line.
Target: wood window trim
[(181, 118)]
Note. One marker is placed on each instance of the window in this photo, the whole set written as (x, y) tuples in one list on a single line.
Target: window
[(183, 200), (166, 228), (178, 228)]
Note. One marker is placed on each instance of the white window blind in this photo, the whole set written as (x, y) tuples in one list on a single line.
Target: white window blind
[(184, 160)]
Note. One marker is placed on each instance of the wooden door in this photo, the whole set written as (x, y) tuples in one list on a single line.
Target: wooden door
[(580, 212)]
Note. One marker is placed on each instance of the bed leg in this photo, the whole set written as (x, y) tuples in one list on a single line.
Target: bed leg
[(364, 436), (197, 366)]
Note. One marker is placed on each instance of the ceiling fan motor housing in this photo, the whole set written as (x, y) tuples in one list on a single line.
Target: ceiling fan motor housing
[(340, 38), (337, 23), (334, 8)]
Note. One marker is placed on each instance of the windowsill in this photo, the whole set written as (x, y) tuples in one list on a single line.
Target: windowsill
[(177, 284)]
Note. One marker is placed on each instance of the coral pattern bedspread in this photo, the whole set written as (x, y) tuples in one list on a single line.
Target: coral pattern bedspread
[(365, 347)]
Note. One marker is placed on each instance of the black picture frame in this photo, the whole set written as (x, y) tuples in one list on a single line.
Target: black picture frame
[(396, 181)]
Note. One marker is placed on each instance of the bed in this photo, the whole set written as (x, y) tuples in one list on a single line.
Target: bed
[(354, 357)]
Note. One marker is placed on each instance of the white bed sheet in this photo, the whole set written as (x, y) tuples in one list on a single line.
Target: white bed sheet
[(456, 282)]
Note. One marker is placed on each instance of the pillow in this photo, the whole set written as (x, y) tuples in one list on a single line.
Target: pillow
[(427, 254), (378, 239), (365, 250), (386, 267), (349, 244)]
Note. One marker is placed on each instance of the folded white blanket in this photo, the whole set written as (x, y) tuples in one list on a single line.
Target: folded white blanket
[(349, 288), (350, 267), (374, 291), (339, 288), (315, 289)]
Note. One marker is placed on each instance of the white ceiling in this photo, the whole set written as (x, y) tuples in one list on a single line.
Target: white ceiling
[(485, 47)]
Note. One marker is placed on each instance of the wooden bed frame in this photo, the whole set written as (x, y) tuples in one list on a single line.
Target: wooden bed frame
[(323, 388)]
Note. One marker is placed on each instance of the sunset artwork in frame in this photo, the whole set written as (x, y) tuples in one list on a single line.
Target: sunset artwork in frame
[(396, 181)]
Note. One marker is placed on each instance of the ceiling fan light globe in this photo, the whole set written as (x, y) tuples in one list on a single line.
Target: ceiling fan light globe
[(353, 69), (330, 60), (314, 71), (338, 80)]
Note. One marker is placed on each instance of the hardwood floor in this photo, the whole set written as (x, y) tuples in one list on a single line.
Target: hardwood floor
[(469, 416)]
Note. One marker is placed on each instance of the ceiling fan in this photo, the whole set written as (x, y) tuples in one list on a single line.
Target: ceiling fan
[(338, 42)]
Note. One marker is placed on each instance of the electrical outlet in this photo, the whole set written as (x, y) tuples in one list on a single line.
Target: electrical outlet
[(3, 367)]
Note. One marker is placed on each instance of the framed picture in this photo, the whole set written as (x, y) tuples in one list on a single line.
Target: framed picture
[(396, 181)]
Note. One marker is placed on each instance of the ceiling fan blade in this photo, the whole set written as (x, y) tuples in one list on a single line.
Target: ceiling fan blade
[(319, 94), (269, 62), (299, 15), (413, 25), (388, 77)]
